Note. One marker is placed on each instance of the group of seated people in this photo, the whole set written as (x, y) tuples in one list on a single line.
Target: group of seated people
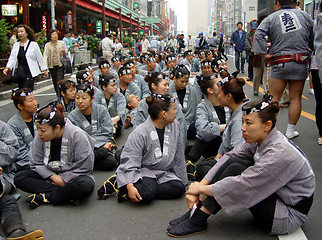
[(239, 160)]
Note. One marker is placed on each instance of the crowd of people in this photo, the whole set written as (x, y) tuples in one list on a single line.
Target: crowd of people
[(167, 94)]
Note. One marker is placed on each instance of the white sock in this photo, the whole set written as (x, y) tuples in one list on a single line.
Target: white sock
[(290, 127)]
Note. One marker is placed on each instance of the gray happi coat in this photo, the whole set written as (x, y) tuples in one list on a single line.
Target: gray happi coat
[(207, 121), (190, 102), (76, 157), (142, 155), (287, 37), (23, 134), (142, 113), (117, 101), (98, 95), (144, 88), (232, 135), (101, 126), (280, 167), (8, 151), (69, 107), (131, 88)]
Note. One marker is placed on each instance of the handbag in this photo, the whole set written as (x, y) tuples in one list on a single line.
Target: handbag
[(67, 65), (72, 50), (19, 74)]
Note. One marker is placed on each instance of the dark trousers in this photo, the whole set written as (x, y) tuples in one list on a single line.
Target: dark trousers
[(192, 131), (57, 74), (240, 58), (149, 189), (27, 83), (31, 182), (263, 211), (250, 66), (10, 214), (318, 98), (104, 160), (205, 149)]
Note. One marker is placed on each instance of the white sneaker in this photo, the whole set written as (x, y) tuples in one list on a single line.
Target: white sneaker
[(311, 91), (291, 135)]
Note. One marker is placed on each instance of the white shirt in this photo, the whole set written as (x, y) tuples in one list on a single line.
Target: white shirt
[(145, 45), (117, 46), (107, 44)]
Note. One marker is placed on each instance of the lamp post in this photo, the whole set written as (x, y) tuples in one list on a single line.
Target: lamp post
[(120, 22), (104, 20)]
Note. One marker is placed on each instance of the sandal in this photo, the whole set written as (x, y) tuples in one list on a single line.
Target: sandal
[(320, 141), (35, 235), (35, 200), (191, 170), (108, 188)]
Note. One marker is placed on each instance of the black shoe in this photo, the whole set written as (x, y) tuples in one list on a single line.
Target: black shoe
[(191, 170), (249, 79), (179, 220), (255, 94), (35, 235), (35, 200), (122, 197), (118, 155), (243, 71), (196, 224), (108, 188)]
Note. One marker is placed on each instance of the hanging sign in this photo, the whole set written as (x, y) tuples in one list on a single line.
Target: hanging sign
[(44, 22), (9, 10), (69, 19)]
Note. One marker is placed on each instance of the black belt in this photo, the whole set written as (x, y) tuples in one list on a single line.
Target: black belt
[(304, 205)]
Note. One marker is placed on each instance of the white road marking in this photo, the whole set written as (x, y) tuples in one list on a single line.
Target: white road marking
[(8, 101), (297, 235)]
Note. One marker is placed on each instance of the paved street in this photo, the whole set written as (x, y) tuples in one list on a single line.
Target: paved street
[(96, 219)]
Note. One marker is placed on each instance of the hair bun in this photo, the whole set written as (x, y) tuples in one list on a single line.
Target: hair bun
[(241, 81), (149, 100), (60, 108)]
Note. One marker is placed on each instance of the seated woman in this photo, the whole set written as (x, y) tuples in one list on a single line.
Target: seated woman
[(115, 103), (95, 120), (267, 174), (231, 95), (152, 164), (186, 96), (22, 124), (67, 95), (8, 155), (211, 119), (61, 161)]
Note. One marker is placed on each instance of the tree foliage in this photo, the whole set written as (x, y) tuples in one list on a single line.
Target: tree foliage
[(4, 42)]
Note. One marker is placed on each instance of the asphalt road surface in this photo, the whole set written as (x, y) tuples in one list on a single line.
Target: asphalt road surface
[(97, 219)]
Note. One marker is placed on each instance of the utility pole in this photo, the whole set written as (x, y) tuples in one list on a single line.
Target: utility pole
[(130, 15), (25, 7), (104, 20), (52, 13), (74, 29)]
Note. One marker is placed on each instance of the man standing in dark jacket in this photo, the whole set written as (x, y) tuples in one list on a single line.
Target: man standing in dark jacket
[(238, 41)]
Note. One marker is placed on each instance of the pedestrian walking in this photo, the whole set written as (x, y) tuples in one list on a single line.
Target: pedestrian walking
[(237, 40), (54, 51), (25, 59)]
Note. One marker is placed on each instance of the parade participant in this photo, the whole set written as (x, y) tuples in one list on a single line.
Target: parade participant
[(138, 79), (61, 161), (152, 162), (185, 94), (230, 95), (196, 63), (132, 103), (54, 51), (237, 40), (116, 64), (218, 64), (115, 103), (288, 54), (160, 60), (25, 59), (104, 69), (85, 76), (125, 84), (8, 155), (267, 174), (95, 120), (188, 56), (22, 124), (209, 54), (206, 71), (143, 58), (170, 63), (11, 221), (211, 119), (317, 74), (67, 95), (150, 66)]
